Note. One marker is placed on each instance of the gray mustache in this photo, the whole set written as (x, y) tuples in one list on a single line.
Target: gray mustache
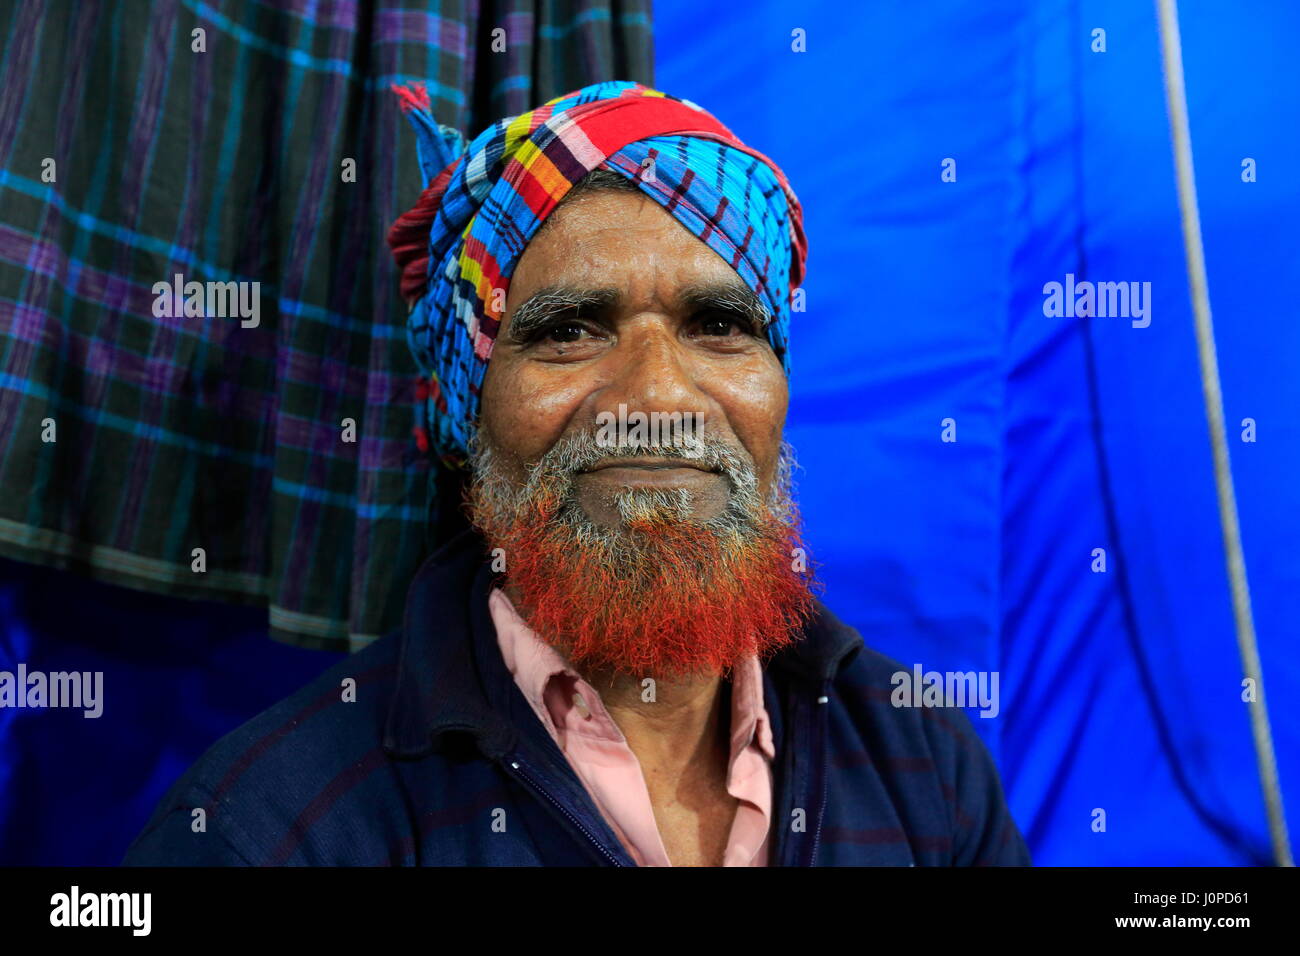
[(581, 451)]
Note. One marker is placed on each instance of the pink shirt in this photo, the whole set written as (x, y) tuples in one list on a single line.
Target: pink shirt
[(571, 710)]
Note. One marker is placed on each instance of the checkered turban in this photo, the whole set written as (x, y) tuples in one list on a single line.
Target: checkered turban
[(483, 202)]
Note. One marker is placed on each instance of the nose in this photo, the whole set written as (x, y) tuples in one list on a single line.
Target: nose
[(652, 371)]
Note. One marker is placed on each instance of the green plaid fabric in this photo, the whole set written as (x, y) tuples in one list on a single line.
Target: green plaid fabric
[(242, 142)]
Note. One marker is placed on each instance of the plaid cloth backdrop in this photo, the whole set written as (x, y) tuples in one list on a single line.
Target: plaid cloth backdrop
[(134, 148)]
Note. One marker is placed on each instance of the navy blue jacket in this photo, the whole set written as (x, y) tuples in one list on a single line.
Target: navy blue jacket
[(439, 761)]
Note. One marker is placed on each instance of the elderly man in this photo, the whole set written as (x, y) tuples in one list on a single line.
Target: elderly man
[(622, 661)]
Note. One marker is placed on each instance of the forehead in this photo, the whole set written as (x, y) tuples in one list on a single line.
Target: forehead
[(615, 239)]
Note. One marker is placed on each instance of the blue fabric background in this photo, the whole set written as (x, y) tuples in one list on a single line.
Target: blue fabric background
[(1119, 691)]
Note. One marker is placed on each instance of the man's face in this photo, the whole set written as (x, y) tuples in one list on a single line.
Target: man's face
[(648, 555), (614, 303)]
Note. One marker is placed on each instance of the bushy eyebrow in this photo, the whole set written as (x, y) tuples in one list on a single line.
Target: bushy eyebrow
[(727, 297), (553, 302), (547, 304)]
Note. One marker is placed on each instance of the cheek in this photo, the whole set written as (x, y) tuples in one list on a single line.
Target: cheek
[(755, 405), (525, 410)]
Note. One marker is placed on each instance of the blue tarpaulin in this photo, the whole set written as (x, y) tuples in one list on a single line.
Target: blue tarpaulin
[(1120, 689)]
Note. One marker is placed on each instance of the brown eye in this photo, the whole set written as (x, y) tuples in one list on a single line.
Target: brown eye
[(722, 325), (564, 332)]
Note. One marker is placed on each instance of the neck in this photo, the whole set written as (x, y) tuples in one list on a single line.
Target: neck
[(681, 732)]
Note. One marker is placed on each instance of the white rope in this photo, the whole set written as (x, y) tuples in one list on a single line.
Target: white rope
[(1176, 95)]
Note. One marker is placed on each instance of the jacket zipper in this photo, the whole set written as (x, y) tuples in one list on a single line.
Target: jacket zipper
[(518, 766), (823, 702)]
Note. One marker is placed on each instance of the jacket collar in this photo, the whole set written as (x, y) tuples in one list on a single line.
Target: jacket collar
[(451, 678)]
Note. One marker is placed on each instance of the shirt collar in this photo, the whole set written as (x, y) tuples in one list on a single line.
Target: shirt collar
[(533, 663)]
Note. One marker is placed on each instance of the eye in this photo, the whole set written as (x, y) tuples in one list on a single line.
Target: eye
[(562, 332), (724, 324)]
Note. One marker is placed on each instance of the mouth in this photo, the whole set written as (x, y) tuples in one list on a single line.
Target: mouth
[(648, 463)]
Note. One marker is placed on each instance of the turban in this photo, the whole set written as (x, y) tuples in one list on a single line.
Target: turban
[(484, 201)]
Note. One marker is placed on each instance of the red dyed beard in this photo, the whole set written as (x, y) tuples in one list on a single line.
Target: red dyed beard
[(659, 595)]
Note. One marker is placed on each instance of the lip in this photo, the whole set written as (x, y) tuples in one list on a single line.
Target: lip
[(649, 464)]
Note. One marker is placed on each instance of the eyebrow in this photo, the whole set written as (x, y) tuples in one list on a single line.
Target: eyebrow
[(552, 302), (728, 297), (545, 305)]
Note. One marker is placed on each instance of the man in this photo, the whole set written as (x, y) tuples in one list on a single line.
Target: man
[(622, 662)]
